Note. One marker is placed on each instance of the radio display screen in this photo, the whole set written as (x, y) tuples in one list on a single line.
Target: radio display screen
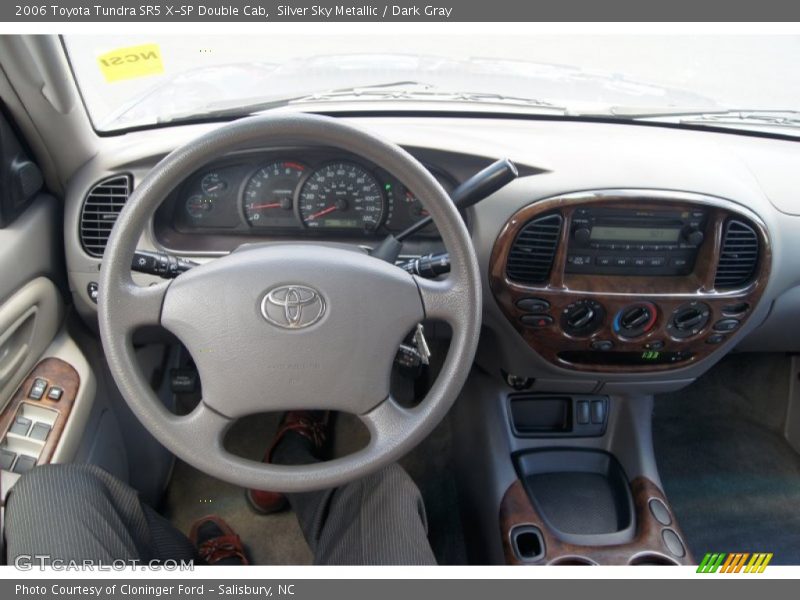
[(634, 234)]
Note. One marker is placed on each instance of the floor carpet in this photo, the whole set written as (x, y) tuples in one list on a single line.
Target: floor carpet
[(277, 539), (731, 477)]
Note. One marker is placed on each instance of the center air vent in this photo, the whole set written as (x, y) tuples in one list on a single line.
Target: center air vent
[(100, 210), (531, 256), (738, 257)]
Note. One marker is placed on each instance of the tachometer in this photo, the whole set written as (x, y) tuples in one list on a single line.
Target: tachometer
[(268, 198), (341, 195)]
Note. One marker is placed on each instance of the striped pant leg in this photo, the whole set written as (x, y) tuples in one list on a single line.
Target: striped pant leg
[(75, 512), (377, 520)]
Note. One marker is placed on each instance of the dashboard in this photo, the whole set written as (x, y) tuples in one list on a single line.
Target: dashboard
[(290, 193), (631, 301)]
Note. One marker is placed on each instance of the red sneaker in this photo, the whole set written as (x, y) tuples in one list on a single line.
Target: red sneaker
[(312, 425), (216, 542)]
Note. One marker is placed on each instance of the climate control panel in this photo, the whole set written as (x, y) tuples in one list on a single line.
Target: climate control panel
[(609, 332)]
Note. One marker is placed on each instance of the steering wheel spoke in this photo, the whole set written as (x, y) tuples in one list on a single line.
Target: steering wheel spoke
[(441, 299), (386, 421), (137, 306), (203, 427)]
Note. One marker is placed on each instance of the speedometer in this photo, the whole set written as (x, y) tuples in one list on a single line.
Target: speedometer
[(341, 195)]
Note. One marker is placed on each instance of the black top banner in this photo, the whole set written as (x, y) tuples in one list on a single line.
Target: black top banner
[(398, 11)]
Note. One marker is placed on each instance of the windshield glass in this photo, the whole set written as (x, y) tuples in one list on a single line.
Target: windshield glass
[(140, 80)]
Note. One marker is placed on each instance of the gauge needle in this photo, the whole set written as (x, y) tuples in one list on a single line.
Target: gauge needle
[(271, 205), (322, 213)]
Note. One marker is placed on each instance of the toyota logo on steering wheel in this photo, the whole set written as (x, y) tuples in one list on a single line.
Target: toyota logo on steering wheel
[(293, 306)]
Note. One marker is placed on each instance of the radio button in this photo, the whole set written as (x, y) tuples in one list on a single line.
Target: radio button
[(536, 320), (726, 325), (579, 260), (654, 345), (679, 262), (621, 261), (534, 305), (602, 345), (656, 261), (604, 261), (582, 234), (639, 261)]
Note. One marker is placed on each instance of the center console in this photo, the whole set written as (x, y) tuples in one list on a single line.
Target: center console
[(629, 280)]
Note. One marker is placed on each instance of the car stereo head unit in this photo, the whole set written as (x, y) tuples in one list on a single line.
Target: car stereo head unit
[(628, 241)]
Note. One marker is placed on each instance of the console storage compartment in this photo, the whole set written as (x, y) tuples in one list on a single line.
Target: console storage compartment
[(582, 495)]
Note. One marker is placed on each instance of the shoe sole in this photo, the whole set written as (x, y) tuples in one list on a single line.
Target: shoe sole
[(257, 508)]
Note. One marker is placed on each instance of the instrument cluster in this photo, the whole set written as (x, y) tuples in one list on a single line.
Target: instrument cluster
[(309, 192)]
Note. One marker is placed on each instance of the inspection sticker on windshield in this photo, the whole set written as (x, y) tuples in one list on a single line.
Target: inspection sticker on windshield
[(131, 62)]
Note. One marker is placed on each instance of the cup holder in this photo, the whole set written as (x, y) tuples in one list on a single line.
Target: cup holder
[(572, 561), (652, 559)]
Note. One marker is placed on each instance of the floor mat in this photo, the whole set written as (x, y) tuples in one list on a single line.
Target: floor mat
[(269, 539), (731, 477), (277, 539)]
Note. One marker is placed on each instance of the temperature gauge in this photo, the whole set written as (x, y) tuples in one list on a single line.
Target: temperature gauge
[(213, 185)]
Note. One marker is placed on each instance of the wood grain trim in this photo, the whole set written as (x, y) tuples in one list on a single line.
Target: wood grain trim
[(56, 372), (615, 292), (516, 509)]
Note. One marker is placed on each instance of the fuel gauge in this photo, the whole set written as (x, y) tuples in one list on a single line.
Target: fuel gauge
[(198, 206)]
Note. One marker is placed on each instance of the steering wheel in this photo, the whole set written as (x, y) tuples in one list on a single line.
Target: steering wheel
[(289, 326)]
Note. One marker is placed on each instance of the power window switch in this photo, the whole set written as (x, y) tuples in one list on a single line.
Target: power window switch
[(6, 459), (55, 393), (40, 432), (583, 412), (38, 388), (24, 464), (21, 426)]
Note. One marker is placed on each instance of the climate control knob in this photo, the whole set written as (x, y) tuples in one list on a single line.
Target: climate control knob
[(689, 319), (582, 318), (635, 320)]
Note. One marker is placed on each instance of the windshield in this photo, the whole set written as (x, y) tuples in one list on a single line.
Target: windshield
[(140, 81)]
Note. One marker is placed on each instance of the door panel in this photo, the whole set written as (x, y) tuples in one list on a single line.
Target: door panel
[(29, 321)]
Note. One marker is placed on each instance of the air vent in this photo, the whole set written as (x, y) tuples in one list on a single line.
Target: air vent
[(100, 210), (531, 256), (739, 255)]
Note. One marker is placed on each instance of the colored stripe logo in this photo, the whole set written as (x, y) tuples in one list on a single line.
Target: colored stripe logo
[(737, 562)]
